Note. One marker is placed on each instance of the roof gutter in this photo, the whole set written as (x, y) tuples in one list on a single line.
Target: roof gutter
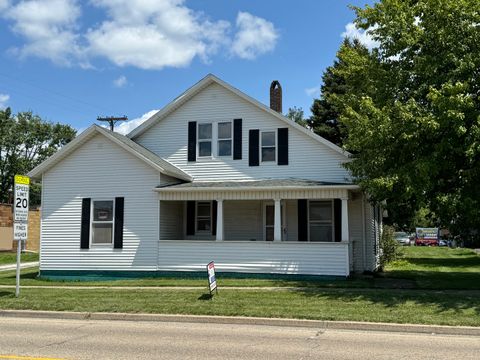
[(257, 188)]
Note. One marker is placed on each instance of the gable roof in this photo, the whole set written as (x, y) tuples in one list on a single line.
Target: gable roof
[(212, 79), (124, 142)]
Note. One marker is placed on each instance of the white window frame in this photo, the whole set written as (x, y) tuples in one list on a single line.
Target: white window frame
[(211, 140), (322, 222), (218, 139), (197, 218), (275, 146), (92, 206)]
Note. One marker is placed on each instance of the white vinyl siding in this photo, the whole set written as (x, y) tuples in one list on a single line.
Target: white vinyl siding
[(169, 137), (99, 170), (266, 257), (171, 220)]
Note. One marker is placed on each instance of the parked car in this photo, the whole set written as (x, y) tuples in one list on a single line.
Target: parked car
[(402, 238)]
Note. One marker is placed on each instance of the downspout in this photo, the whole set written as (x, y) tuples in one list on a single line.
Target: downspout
[(41, 230), (364, 230)]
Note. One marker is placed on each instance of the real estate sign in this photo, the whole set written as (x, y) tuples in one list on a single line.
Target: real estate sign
[(212, 281)]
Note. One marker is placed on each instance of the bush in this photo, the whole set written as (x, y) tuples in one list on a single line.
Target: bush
[(389, 249)]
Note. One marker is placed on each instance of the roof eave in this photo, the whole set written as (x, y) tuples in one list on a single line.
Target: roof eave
[(257, 188)]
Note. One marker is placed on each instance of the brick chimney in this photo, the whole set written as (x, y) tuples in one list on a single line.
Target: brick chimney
[(276, 96)]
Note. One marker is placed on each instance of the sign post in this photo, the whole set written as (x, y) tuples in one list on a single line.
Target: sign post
[(212, 281), (20, 218)]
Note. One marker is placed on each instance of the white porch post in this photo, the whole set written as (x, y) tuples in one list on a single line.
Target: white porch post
[(277, 228), (345, 236), (219, 236)]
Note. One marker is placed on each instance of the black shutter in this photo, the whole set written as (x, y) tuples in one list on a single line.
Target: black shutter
[(253, 144), (337, 215), (85, 227), (190, 217), (282, 146), (118, 232), (214, 217), (302, 220), (237, 139), (192, 141)]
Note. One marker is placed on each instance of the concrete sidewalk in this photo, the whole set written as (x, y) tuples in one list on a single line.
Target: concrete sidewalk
[(22, 266), (240, 320)]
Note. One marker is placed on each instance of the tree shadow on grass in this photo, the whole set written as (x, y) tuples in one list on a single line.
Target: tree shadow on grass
[(6, 293), (440, 301), (465, 262)]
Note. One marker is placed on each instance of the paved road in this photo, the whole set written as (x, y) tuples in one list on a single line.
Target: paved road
[(84, 339)]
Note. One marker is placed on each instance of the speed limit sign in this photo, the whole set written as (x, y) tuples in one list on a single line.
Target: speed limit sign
[(20, 204)]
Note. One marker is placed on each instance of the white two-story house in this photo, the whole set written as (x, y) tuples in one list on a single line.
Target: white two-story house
[(215, 175)]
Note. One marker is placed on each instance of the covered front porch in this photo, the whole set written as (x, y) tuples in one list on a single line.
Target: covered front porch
[(267, 227)]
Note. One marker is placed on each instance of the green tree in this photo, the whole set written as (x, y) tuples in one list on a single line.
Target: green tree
[(412, 108), (25, 141), (296, 114), (326, 109)]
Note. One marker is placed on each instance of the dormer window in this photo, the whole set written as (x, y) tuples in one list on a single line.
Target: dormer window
[(224, 139), (268, 146), (204, 140)]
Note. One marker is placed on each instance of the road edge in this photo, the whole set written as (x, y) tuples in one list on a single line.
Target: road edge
[(240, 320)]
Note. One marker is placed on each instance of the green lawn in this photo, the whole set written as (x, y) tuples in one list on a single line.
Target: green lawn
[(437, 268), (427, 286), (10, 257), (400, 306)]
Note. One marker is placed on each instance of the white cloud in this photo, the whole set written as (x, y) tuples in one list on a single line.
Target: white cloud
[(120, 81), (154, 34), (4, 4), (48, 27), (3, 100), (313, 91), (125, 127), (146, 34), (255, 36), (352, 32)]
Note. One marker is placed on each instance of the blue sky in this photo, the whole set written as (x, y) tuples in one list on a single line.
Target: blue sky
[(71, 61)]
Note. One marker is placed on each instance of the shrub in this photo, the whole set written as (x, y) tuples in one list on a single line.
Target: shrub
[(389, 249)]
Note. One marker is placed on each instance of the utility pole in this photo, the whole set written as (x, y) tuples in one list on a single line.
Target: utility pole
[(112, 120)]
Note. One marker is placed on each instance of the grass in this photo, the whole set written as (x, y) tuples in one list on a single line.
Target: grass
[(427, 286), (400, 306), (437, 268), (10, 257)]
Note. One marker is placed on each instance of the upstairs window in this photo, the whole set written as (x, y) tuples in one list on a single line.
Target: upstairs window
[(225, 139), (102, 222), (268, 146), (204, 140)]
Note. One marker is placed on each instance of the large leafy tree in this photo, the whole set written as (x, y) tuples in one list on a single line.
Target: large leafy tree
[(412, 108), (326, 109), (25, 141)]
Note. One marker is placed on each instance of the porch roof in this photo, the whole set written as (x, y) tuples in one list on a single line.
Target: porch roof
[(266, 184), (256, 189)]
